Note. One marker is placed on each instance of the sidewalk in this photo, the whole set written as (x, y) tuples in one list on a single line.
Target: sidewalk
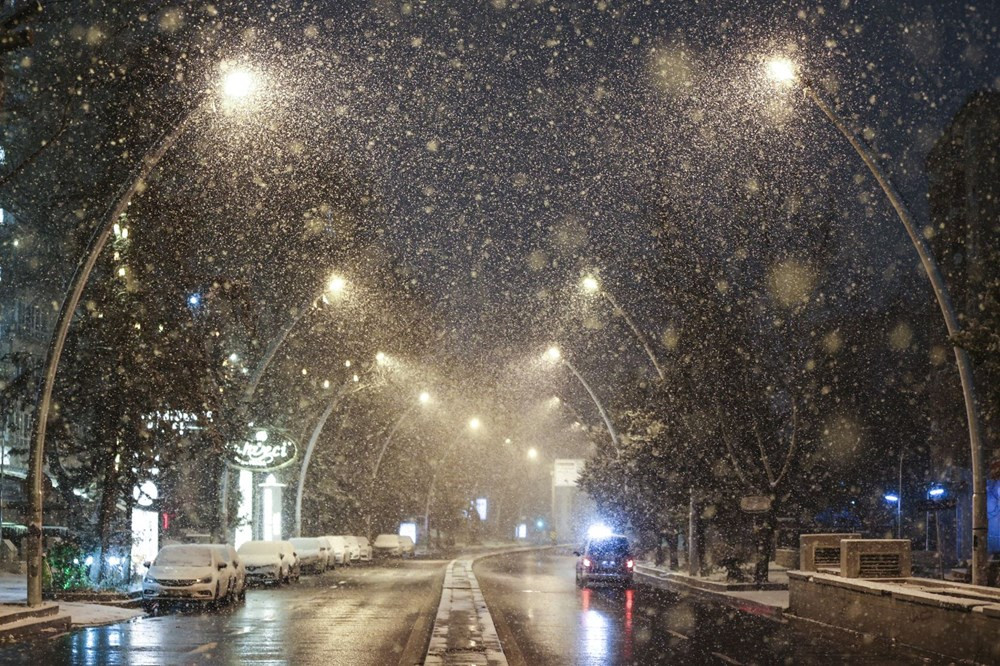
[(770, 603), (14, 594)]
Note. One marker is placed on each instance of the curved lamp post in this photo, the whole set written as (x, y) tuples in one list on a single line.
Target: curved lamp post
[(783, 72), (423, 399), (554, 355), (334, 288), (473, 425), (311, 445), (237, 85), (592, 285)]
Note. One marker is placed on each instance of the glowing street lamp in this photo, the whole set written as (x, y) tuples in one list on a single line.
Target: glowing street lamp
[(783, 72), (532, 453), (474, 423), (590, 283), (238, 83), (336, 285), (424, 397)]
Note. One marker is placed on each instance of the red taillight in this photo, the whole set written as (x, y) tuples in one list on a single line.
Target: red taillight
[(629, 563), (586, 562)]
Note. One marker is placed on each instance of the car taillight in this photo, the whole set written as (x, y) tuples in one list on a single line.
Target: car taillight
[(586, 562), (629, 563)]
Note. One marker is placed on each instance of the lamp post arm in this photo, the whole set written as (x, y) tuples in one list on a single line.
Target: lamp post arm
[(307, 456), (597, 403), (388, 440), (78, 282), (980, 554), (269, 354), (643, 339)]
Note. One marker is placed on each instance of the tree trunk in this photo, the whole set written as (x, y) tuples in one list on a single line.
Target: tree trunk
[(109, 495), (673, 546), (763, 528)]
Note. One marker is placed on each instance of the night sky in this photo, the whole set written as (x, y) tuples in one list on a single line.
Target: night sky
[(515, 142)]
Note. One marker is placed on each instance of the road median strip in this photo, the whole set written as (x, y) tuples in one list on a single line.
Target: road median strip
[(464, 631)]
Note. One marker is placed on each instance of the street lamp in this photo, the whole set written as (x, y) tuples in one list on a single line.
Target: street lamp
[(238, 83), (336, 285), (783, 72), (422, 400), (532, 453), (71, 300), (311, 445), (592, 285), (473, 425), (554, 355)]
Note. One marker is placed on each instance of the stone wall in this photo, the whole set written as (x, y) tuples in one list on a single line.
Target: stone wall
[(959, 627)]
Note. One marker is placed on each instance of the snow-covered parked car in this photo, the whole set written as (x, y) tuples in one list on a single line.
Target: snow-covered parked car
[(406, 546), (353, 548), (186, 572), (339, 547), (388, 545), (269, 561), (311, 554), (365, 549), (237, 584)]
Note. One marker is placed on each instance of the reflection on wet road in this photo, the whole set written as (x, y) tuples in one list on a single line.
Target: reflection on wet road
[(542, 618), (360, 615)]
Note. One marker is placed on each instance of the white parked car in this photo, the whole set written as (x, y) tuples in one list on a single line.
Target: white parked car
[(353, 548), (388, 545), (407, 547), (269, 561), (339, 547), (186, 572), (326, 552), (236, 571), (365, 548), (310, 552)]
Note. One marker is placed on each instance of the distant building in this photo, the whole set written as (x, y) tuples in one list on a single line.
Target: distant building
[(963, 171)]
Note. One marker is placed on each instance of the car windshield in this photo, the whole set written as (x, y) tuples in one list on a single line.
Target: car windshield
[(260, 548), (181, 556), (717, 278)]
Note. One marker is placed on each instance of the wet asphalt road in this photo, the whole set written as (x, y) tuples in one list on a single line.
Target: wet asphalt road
[(542, 618), (359, 615)]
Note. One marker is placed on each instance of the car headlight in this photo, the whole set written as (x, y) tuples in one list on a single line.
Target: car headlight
[(149, 579), (206, 579)]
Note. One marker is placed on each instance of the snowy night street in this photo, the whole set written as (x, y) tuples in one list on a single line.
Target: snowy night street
[(499, 332), (359, 615)]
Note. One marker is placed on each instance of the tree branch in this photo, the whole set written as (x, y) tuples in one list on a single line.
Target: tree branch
[(791, 447)]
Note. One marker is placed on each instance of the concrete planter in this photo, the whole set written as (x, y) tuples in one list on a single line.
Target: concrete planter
[(957, 621)]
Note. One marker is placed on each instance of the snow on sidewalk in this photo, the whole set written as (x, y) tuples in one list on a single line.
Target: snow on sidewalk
[(14, 590), (760, 602)]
